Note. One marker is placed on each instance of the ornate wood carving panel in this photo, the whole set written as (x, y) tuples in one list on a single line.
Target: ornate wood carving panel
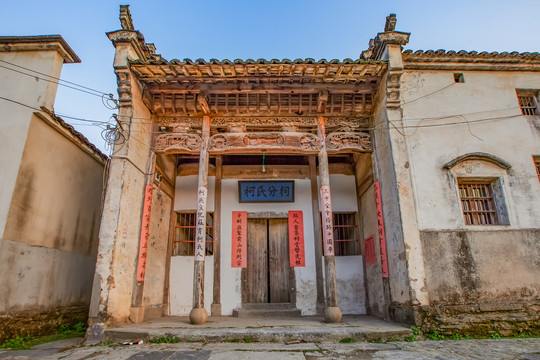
[(349, 141), (270, 141)]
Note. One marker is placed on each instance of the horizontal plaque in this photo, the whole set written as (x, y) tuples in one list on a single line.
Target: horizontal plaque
[(265, 191)]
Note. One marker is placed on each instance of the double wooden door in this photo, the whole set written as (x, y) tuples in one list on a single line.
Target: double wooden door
[(267, 276)]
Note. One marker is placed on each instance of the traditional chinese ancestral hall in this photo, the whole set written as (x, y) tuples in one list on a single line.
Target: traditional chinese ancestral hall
[(273, 187)]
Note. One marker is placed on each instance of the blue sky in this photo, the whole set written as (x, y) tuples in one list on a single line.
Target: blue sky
[(259, 29)]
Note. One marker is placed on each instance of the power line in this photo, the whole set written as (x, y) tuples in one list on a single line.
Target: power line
[(53, 77)]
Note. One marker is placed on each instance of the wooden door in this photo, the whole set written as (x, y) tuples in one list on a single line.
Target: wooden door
[(278, 259), (255, 276), (266, 278)]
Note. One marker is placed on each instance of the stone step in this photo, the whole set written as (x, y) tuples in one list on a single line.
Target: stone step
[(267, 313), (268, 306)]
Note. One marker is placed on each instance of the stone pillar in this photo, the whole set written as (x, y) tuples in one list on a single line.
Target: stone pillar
[(332, 312), (198, 314)]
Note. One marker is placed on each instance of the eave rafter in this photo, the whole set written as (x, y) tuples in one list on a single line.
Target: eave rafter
[(259, 89)]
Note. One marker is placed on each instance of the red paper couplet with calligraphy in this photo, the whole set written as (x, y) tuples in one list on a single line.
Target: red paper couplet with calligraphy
[(380, 225), (145, 232), (239, 239), (369, 250), (327, 221), (297, 253)]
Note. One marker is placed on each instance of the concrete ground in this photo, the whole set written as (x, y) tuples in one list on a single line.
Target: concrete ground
[(523, 349)]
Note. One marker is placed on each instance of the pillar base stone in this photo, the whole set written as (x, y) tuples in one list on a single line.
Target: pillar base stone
[(332, 314), (215, 309), (198, 316)]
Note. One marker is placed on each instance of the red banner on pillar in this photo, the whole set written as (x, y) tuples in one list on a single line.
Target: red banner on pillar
[(145, 232), (239, 239), (380, 225), (297, 253), (327, 221), (369, 250)]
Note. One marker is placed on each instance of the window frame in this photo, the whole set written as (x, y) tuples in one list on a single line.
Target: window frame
[(530, 109), (340, 245), (494, 184), (536, 160), (210, 232)]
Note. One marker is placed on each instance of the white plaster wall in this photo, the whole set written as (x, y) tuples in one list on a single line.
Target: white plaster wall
[(348, 268), (181, 284), (15, 118), (506, 134), (186, 193)]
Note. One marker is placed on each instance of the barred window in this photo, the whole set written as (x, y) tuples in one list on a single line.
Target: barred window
[(345, 234), (527, 102), (477, 202), (184, 233)]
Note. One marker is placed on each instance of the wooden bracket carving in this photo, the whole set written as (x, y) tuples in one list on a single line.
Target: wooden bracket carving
[(202, 101), (323, 99), (270, 141), (177, 143), (350, 141)]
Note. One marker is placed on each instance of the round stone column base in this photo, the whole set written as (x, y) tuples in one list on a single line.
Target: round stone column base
[(198, 316), (332, 314)]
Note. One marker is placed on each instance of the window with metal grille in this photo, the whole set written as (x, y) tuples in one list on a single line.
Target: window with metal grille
[(345, 234), (184, 233), (527, 102), (477, 202)]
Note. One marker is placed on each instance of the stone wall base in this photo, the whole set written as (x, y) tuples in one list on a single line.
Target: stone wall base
[(477, 319), (40, 322)]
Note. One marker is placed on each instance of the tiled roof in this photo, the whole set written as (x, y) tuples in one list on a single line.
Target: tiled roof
[(161, 61), (469, 54)]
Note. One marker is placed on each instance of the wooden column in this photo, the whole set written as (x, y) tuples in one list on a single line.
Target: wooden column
[(198, 314), (216, 305), (317, 233), (332, 312)]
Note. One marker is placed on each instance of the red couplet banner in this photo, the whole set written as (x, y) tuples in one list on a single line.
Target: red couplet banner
[(380, 225), (369, 250), (297, 253), (145, 232), (239, 239)]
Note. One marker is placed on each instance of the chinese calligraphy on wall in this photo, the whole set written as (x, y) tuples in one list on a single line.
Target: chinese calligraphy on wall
[(239, 239), (200, 235), (145, 232), (266, 191), (380, 226), (327, 222), (296, 239)]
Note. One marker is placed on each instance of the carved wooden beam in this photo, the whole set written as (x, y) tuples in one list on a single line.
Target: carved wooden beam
[(348, 141), (274, 142), (177, 143)]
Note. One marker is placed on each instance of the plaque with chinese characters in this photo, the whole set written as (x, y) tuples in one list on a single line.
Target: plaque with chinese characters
[(266, 191)]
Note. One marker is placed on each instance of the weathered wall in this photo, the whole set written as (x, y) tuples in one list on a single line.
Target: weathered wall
[(482, 279), (477, 276), (374, 285), (115, 276), (156, 258), (49, 246), (502, 131), (349, 272), (15, 118)]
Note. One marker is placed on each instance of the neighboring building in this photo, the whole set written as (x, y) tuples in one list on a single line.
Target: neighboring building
[(50, 194), (426, 157)]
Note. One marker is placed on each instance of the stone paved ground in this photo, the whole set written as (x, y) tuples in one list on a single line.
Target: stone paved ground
[(515, 349)]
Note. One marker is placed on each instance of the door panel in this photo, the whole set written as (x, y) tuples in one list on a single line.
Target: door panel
[(255, 276), (278, 246)]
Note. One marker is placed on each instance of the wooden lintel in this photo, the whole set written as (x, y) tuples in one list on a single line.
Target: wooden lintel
[(313, 88)]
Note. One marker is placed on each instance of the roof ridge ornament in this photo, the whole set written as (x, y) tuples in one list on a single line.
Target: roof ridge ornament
[(125, 18), (389, 36)]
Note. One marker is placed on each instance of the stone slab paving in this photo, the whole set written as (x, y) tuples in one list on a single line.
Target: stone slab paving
[(500, 349)]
